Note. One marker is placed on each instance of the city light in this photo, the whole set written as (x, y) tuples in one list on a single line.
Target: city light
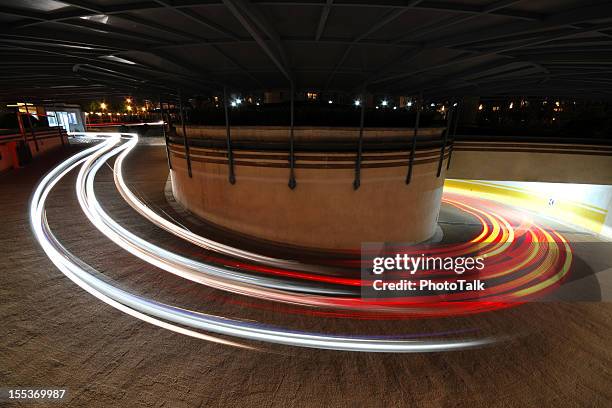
[(384, 103), (357, 102), (233, 104), (409, 104), (128, 100), (330, 101), (144, 109), (128, 108), (103, 105), (511, 105), (238, 101), (480, 107)]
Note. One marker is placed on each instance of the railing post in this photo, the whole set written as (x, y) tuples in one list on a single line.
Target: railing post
[(185, 140), (164, 133), (452, 144), (228, 139), (449, 118), (292, 182), (357, 181), (31, 126), (414, 139)]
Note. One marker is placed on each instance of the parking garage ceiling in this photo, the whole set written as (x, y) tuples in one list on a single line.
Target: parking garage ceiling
[(69, 50)]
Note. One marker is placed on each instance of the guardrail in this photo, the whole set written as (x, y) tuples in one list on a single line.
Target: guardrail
[(17, 149), (368, 153)]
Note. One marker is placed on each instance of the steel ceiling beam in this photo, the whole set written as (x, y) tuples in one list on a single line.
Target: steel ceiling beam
[(566, 18), (389, 17), (458, 19), (323, 19), (497, 51), (255, 25)]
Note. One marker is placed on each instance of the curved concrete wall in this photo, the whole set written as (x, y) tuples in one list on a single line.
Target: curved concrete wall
[(303, 134), (323, 211)]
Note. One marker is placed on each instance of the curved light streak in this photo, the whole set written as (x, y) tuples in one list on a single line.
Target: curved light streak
[(496, 243), (152, 311)]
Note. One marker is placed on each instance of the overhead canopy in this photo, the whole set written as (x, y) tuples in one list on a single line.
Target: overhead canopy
[(70, 50)]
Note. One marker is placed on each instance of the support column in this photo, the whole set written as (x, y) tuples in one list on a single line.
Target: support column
[(449, 118), (292, 182), (59, 127), (185, 140), (357, 181), (31, 127), (21, 127), (452, 144), (414, 138), (228, 139), (164, 132)]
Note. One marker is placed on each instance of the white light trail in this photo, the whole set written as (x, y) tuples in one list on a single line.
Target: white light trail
[(152, 311)]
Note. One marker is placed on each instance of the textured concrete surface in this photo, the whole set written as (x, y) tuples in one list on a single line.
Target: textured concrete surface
[(53, 334)]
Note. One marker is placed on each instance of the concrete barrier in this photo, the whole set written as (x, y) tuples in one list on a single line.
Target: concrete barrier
[(323, 211)]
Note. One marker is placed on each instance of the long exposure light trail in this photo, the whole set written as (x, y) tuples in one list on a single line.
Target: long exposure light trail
[(501, 235), (151, 311), (493, 242)]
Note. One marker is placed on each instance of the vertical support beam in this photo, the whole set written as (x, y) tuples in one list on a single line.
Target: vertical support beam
[(164, 132), (414, 139), (452, 144), (21, 127), (357, 181), (59, 127), (228, 139), (185, 140), (292, 182), (31, 126), (449, 118)]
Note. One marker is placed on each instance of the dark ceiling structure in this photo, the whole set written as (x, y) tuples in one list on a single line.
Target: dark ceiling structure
[(75, 49)]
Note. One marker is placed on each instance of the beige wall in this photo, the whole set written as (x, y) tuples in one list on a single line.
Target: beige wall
[(324, 211), (556, 164)]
